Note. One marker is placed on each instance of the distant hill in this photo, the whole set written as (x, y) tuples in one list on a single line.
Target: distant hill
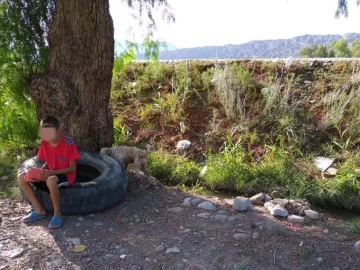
[(280, 48)]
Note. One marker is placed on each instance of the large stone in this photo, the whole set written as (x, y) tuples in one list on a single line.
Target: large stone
[(241, 236), (187, 202), (207, 206), (267, 198), (282, 202), (276, 210), (312, 214), (196, 201), (295, 219), (257, 199), (242, 204)]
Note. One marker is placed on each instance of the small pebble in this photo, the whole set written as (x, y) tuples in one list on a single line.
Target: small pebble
[(241, 236), (123, 256), (172, 250), (326, 231), (319, 260), (99, 223), (176, 210), (80, 219), (148, 260), (76, 241), (256, 235), (204, 215), (160, 248), (357, 245)]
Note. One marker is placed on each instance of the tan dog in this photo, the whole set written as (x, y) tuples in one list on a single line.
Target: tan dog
[(129, 155)]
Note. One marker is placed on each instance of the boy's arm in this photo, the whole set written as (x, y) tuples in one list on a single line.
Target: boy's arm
[(70, 169), (45, 166)]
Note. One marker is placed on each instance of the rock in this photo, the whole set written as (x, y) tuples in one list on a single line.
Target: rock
[(267, 198), (137, 218), (276, 210), (160, 248), (203, 215), (80, 219), (229, 201), (257, 199), (123, 256), (330, 172), (319, 260), (148, 260), (176, 209), (99, 223), (298, 206), (187, 202), (76, 241), (232, 218), (221, 217), (183, 145), (207, 206), (295, 219), (282, 202), (222, 212), (187, 230), (242, 204), (256, 235), (312, 214), (241, 236), (196, 201), (56, 262), (326, 231), (14, 253), (323, 163), (357, 245), (172, 250), (111, 229)]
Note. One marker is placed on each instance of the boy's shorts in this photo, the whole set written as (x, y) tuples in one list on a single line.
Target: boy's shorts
[(62, 182)]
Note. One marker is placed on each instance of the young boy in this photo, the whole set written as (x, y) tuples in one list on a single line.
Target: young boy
[(59, 154)]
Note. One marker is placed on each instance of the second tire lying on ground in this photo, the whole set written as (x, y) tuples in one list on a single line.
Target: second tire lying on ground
[(101, 183)]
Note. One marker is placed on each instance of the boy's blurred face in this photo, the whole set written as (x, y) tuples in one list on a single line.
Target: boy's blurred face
[(49, 134)]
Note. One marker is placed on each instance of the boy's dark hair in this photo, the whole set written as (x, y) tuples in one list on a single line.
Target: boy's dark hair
[(50, 121)]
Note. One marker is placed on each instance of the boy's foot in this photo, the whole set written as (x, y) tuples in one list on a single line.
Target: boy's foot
[(33, 216), (56, 222)]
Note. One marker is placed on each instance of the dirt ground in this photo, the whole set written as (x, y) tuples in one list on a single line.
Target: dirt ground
[(137, 234)]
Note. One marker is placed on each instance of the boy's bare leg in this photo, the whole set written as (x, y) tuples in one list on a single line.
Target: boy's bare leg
[(51, 183), (30, 194)]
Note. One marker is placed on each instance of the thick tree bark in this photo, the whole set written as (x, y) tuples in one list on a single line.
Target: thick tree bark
[(76, 85)]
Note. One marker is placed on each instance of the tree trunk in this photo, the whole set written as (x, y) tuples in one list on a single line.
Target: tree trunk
[(76, 85)]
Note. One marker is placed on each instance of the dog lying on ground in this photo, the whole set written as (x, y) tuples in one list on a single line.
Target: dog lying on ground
[(129, 155)]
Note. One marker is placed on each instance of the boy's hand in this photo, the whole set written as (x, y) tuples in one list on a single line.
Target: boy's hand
[(47, 174)]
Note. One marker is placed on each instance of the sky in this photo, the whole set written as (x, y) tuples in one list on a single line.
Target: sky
[(214, 22)]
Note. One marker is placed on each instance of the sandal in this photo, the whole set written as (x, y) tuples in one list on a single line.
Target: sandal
[(56, 222), (33, 216)]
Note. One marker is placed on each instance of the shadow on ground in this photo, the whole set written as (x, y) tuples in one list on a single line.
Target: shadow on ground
[(137, 233)]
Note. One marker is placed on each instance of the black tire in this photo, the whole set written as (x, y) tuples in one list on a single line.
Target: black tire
[(101, 183)]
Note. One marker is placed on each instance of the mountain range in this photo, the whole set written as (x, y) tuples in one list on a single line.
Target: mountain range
[(277, 48)]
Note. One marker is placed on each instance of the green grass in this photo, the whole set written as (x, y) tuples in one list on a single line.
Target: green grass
[(9, 161)]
